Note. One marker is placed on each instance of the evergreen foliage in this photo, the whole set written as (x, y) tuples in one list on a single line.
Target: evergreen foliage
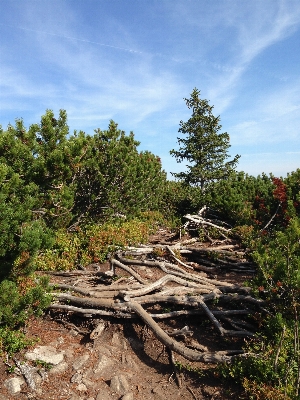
[(57, 191), (205, 149), (273, 362), (114, 178), (63, 202), (52, 180)]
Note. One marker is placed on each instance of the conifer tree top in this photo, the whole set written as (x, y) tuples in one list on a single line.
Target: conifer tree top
[(204, 148)]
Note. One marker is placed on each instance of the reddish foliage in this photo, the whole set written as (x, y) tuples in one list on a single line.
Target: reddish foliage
[(280, 191)]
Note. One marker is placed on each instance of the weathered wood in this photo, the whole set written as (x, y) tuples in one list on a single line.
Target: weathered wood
[(181, 286)]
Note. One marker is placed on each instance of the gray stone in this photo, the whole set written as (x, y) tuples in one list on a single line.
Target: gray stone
[(38, 377), (81, 387), (76, 378), (103, 363), (89, 383), (128, 396), (79, 363), (105, 394), (47, 354), (59, 368), (119, 384), (2, 397), (30, 373), (13, 385)]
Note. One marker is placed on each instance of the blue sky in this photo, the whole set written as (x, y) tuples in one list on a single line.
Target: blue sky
[(134, 61)]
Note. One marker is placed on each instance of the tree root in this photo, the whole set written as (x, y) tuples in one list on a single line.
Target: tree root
[(179, 286)]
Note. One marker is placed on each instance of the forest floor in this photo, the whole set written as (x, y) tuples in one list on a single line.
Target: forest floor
[(129, 349)]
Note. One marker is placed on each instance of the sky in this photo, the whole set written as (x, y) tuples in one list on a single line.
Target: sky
[(134, 61)]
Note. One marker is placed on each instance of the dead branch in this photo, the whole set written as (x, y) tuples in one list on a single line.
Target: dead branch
[(174, 284), (172, 344), (130, 270), (201, 221), (158, 284), (177, 259)]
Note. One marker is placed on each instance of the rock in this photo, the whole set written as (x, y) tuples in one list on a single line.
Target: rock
[(128, 396), (103, 363), (47, 354), (38, 378), (76, 378), (89, 383), (105, 394), (13, 385), (30, 374), (119, 384), (79, 363), (81, 387), (59, 368), (2, 397)]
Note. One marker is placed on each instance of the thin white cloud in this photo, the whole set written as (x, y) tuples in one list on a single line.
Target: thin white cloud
[(273, 118), (266, 25), (95, 85), (73, 38), (258, 25), (56, 59)]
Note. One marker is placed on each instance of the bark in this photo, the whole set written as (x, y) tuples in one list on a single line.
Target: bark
[(177, 284)]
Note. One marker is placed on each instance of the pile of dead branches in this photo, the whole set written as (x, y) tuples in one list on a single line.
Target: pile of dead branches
[(141, 281)]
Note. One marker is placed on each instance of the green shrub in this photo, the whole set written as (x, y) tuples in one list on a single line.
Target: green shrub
[(18, 302), (94, 243), (273, 361), (12, 341)]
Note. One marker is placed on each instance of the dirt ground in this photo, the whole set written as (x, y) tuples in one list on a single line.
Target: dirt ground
[(150, 373)]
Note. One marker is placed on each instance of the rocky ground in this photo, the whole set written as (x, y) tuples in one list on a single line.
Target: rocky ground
[(125, 362), (105, 358)]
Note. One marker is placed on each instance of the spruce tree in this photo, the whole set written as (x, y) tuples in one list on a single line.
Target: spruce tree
[(204, 148)]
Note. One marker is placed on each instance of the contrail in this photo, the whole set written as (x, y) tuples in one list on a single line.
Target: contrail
[(74, 38)]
